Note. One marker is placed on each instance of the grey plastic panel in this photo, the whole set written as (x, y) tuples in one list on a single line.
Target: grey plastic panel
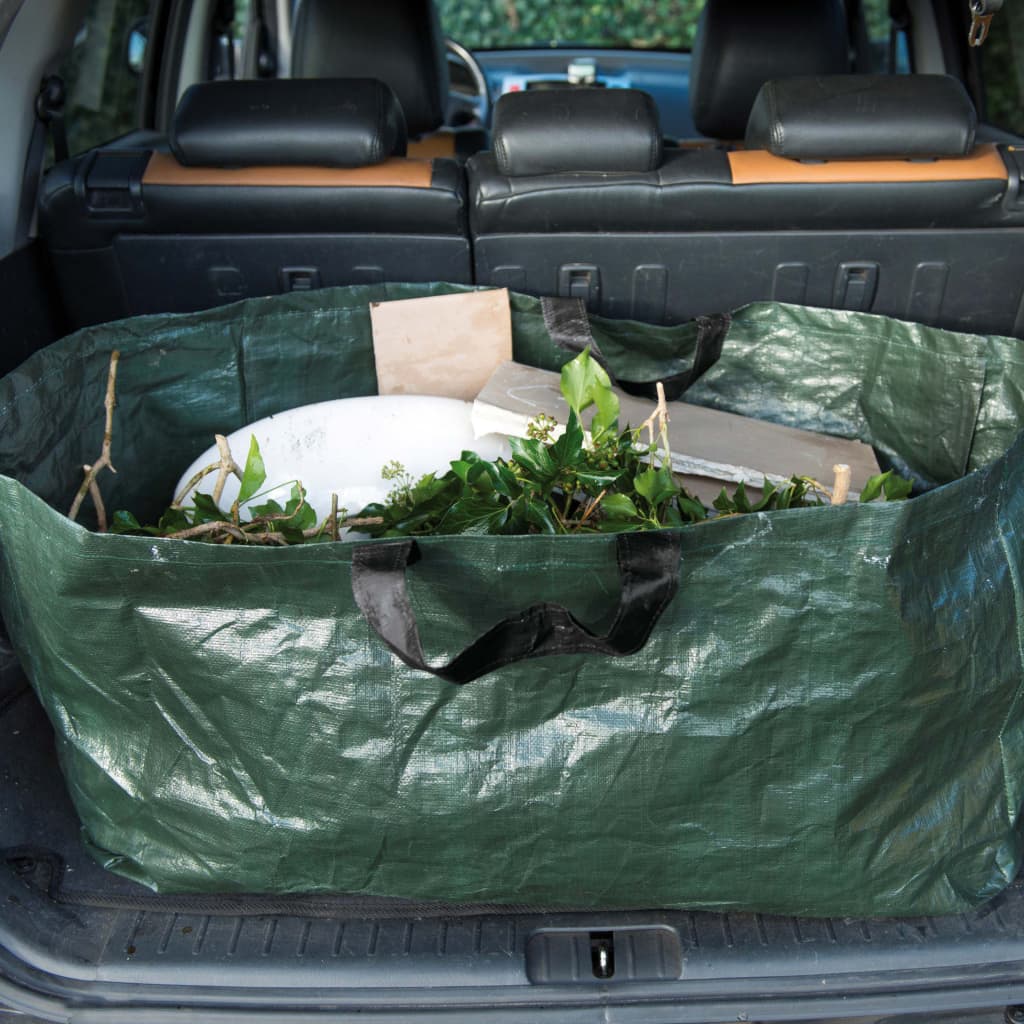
[(969, 280), (183, 273)]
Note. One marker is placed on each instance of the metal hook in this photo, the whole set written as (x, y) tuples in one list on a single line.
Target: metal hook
[(982, 13)]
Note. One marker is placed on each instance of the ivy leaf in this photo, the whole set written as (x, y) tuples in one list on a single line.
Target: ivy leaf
[(474, 515), (584, 383), (598, 478), (768, 494), (125, 522), (535, 458), (538, 514), (619, 506), (606, 419), (505, 482), (888, 486), (692, 509), (268, 508), (568, 449), (254, 474), (656, 485), (173, 520), (206, 510), (302, 514), (620, 525)]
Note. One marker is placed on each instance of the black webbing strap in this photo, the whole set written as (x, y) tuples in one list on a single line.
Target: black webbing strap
[(569, 326), (648, 567), (711, 335)]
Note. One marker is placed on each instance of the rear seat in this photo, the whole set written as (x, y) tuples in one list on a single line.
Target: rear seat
[(269, 186), (858, 192)]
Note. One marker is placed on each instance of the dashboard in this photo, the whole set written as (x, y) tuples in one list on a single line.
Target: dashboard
[(664, 75)]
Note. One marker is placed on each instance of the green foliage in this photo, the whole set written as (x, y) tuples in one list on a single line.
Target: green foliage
[(887, 487), (254, 474), (647, 24), (609, 484)]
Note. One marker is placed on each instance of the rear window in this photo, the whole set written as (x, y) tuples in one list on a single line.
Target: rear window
[(1002, 68), (622, 24)]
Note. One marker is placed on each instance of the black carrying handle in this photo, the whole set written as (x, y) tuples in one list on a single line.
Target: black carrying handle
[(648, 567), (568, 326)]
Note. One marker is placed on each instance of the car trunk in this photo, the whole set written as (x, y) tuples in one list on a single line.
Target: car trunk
[(77, 942)]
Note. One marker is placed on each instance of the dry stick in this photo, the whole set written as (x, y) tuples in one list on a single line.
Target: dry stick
[(334, 517), (89, 485), (841, 487), (226, 467), (591, 507), (194, 481), (222, 526), (660, 415), (344, 523)]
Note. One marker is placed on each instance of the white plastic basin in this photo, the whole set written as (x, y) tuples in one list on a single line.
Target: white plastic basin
[(341, 446)]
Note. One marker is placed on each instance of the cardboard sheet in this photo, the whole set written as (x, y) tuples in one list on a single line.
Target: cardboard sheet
[(445, 345)]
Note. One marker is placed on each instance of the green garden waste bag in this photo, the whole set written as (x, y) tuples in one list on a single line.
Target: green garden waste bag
[(812, 712)]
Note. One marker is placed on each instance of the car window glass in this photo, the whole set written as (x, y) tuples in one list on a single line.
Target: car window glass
[(1002, 69), (102, 74), (642, 24), (889, 50)]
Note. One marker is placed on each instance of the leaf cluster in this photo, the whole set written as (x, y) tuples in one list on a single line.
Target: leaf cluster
[(556, 482), (268, 521), (611, 482)]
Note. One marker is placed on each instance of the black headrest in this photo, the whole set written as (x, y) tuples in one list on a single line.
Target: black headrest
[(341, 122), (741, 44), (398, 41), (554, 130), (863, 116)]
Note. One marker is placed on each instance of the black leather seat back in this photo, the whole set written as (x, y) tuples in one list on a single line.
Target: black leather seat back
[(741, 44), (268, 186), (835, 201), (399, 42)]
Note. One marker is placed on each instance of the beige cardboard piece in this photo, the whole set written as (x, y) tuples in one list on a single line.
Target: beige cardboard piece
[(709, 448), (445, 345)]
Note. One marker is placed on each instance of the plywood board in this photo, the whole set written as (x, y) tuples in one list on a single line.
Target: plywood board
[(711, 447)]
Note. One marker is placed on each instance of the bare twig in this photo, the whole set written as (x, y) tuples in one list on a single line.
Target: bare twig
[(659, 417), (97, 500), (364, 521), (230, 530), (226, 467), (334, 517), (592, 507), (89, 485), (841, 488), (193, 482)]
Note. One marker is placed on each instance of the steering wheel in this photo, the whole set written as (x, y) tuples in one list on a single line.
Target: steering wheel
[(465, 107)]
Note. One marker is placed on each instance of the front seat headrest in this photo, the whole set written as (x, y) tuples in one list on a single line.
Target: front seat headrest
[(398, 41), (741, 44), (353, 122)]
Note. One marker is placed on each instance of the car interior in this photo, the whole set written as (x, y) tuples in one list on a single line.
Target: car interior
[(789, 155)]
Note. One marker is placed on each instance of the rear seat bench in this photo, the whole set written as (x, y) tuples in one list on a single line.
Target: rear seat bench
[(859, 192), (268, 186)]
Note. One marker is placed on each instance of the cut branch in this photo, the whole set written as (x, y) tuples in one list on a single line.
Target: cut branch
[(841, 487), (226, 467), (89, 485)]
